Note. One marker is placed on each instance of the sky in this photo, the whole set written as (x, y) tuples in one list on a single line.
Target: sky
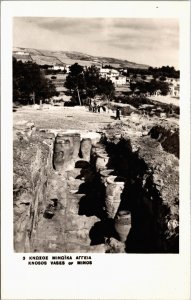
[(154, 42)]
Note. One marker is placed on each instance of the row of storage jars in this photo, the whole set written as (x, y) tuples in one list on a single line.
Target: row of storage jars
[(66, 152), (67, 148), (114, 186)]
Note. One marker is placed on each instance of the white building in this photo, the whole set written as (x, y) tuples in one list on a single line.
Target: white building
[(58, 67), (118, 80), (174, 86), (104, 72), (174, 90), (113, 75), (67, 68), (20, 52), (108, 73)]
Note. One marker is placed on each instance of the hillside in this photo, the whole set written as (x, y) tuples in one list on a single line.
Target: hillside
[(42, 57)]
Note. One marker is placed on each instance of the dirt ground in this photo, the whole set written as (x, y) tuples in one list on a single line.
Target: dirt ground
[(79, 118), (166, 99), (52, 117)]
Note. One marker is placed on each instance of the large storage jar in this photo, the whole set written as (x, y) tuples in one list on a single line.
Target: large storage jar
[(86, 145), (63, 152), (123, 224), (114, 188)]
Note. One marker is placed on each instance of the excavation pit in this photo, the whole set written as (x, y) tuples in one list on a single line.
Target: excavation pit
[(84, 182)]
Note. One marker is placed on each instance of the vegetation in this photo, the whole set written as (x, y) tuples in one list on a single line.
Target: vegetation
[(167, 71), (75, 82), (108, 67), (30, 84), (150, 87), (84, 84), (162, 78), (138, 100), (143, 77), (106, 88)]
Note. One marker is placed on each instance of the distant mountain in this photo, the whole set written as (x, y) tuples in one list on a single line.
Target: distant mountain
[(42, 57)]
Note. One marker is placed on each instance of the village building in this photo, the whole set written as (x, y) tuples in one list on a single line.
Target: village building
[(67, 68), (174, 86), (109, 73), (58, 67), (113, 75), (174, 89), (123, 70), (118, 80), (22, 56), (20, 53)]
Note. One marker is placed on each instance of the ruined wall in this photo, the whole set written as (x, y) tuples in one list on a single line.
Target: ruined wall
[(32, 164), (169, 138), (151, 192)]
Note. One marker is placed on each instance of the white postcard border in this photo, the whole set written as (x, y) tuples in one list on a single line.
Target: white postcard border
[(111, 276)]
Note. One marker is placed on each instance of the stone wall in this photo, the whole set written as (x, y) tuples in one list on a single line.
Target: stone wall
[(169, 138), (32, 164), (151, 192)]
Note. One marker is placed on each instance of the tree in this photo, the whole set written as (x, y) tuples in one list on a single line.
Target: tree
[(28, 79), (150, 87), (75, 81), (108, 67), (45, 67), (88, 83), (143, 77), (49, 90), (92, 78), (106, 88), (153, 86), (162, 78), (142, 86), (96, 85), (155, 75), (164, 71), (133, 86), (164, 88)]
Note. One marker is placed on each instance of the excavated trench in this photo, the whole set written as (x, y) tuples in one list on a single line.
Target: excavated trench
[(98, 197)]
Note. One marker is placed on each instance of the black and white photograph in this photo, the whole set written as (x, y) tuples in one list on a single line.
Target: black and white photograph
[(96, 135), (95, 156)]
